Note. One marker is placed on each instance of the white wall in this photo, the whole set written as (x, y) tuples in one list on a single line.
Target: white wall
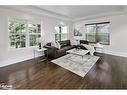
[(118, 33), (48, 28), (9, 56)]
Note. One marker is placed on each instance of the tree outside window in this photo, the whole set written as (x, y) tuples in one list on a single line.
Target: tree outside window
[(98, 32), (23, 34), (17, 34)]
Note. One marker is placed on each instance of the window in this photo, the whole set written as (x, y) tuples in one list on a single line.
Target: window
[(23, 34), (34, 33), (98, 32), (61, 33), (17, 34)]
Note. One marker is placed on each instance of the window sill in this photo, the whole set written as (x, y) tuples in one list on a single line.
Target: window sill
[(100, 43)]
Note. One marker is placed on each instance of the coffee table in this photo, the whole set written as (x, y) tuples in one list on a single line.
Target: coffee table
[(79, 52)]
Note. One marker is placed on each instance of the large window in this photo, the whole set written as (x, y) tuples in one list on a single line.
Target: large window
[(61, 33), (34, 33), (23, 34), (98, 32)]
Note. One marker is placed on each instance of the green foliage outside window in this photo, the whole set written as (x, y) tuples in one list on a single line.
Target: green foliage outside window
[(19, 33)]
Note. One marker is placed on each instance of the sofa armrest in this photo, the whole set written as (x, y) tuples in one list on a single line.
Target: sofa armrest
[(52, 51), (82, 47), (51, 47)]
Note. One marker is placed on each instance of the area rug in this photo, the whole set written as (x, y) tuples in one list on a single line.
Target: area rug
[(76, 64)]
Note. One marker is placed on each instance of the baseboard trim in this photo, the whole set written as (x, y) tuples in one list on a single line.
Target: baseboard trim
[(14, 61), (20, 59), (122, 54)]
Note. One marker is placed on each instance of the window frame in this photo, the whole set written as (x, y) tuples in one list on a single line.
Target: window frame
[(60, 33), (37, 34), (27, 34), (96, 24)]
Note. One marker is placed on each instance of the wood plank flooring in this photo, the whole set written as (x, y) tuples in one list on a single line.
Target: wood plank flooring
[(110, 72)]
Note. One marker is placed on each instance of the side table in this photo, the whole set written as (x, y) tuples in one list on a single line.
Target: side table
[(40, 52)]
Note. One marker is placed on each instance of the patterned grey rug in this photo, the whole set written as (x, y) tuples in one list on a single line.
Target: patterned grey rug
[(76, 64)]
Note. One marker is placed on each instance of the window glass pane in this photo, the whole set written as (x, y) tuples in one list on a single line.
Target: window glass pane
[(22, 33), (22, 40), (32, 28), (57, 31), (64, 33), (98, 33), (57, 37), (32, 40), (12, 40), (17, 34), (91, 31), (34, 33), (103, 32), (61, 33)]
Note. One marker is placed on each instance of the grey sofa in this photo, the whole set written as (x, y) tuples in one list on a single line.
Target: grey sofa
[(54, 52)]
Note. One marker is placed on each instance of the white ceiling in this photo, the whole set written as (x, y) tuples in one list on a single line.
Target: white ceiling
[(71, 12), (75, 12)]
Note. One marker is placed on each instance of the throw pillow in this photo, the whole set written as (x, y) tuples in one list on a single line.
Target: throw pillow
[(90, 48), (58, 44), (54, 44)]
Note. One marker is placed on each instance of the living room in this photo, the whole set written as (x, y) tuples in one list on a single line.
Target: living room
[(62, 33)]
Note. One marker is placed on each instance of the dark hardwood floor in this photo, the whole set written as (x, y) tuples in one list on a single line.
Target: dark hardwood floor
[(110, 72)]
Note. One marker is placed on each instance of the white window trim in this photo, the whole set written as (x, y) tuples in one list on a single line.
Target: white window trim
[(27, 45), (61, 33)]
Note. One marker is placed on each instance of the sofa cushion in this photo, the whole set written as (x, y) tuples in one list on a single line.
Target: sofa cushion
[(82, 47), (48, 44), (90, 48), (58, 45), (54, 52), (67, 48), (84, 42), (54, 44), (64, 43), (68, 42), (63, 50)]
